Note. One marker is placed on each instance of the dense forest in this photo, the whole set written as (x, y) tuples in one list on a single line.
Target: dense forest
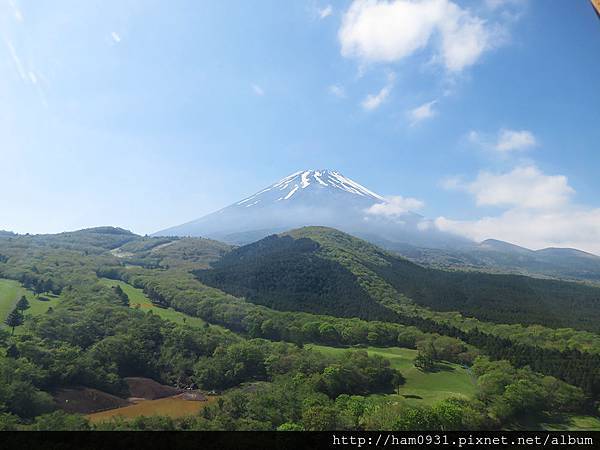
[(279, 270), (255, 347)]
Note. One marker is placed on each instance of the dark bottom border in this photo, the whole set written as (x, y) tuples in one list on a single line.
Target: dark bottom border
[(294, 440)]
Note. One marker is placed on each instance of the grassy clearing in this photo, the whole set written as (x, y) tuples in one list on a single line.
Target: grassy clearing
[(137, 299), (451, 380), (562, 422), (41, 305), (10, 292), (171, 406)]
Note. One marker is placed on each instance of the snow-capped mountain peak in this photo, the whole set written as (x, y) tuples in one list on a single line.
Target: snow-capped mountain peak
[(293, 186), (309, 197)]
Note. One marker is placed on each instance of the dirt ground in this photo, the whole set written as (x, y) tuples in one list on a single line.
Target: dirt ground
[(84, 400), (145, 388)]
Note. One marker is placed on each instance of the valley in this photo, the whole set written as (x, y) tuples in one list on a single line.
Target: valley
[(333, 330)]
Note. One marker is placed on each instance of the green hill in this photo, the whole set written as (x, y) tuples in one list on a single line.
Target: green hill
[(323, 270)]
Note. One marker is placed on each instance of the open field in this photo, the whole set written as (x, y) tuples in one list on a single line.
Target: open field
[(41, 305), (137, 297), (450, 380), (10, 292), (170, 406)]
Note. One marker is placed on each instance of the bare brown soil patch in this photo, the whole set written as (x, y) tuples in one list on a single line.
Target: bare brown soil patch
[(84, 400), (145, 388)]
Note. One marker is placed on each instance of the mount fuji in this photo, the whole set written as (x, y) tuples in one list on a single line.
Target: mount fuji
[(328, 198), (314, 197)]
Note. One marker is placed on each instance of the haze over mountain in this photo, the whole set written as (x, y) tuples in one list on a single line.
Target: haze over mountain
[(328, 198), (315, 197)]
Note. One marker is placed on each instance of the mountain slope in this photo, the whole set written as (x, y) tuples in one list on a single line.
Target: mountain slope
[(311, 197), (328, 198), (286, 273), (263, 270), (501, 257)]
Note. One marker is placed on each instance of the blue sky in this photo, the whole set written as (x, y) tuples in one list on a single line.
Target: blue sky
[(146, 114)]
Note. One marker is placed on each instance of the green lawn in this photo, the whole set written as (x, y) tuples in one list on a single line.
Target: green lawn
[(137, 297), (10, 292), (450, 380), (42, 304)]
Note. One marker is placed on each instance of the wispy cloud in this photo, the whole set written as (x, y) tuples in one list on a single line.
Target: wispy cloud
[(325, 12), (16, 60), (497, 4), (505, 141), (423, 112), (16, 11), (258, 90), (116, 37), (374, 101), (337, 91)]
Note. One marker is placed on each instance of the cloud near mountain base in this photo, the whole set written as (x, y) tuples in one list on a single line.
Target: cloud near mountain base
[(539, 211)]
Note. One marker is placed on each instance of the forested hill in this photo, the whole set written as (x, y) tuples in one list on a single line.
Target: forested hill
[(286, 273), (324, 270)]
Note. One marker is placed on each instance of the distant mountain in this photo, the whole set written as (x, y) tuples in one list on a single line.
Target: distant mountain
[(502, 257), (100, 238), (328, 198), (326, 271), (312, 197)]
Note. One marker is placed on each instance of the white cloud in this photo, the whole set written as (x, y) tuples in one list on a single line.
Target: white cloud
[(538, 211), (395, 206), (523, 187), (258, 90), (506, 140), (385, 31), (337, 90), (374, 101), (510, 140), (423, 112), (574, 227), (115, 37), (325, 12)]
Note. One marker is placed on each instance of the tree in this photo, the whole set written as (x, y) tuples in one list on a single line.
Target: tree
[(8, 422), (123, 297), (23, 304), (14, 319), (60, 421), (290, 426), (397, 381), (424, 362)]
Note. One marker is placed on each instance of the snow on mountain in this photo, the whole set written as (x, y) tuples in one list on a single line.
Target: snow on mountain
[(294, 184), (311, 197)]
